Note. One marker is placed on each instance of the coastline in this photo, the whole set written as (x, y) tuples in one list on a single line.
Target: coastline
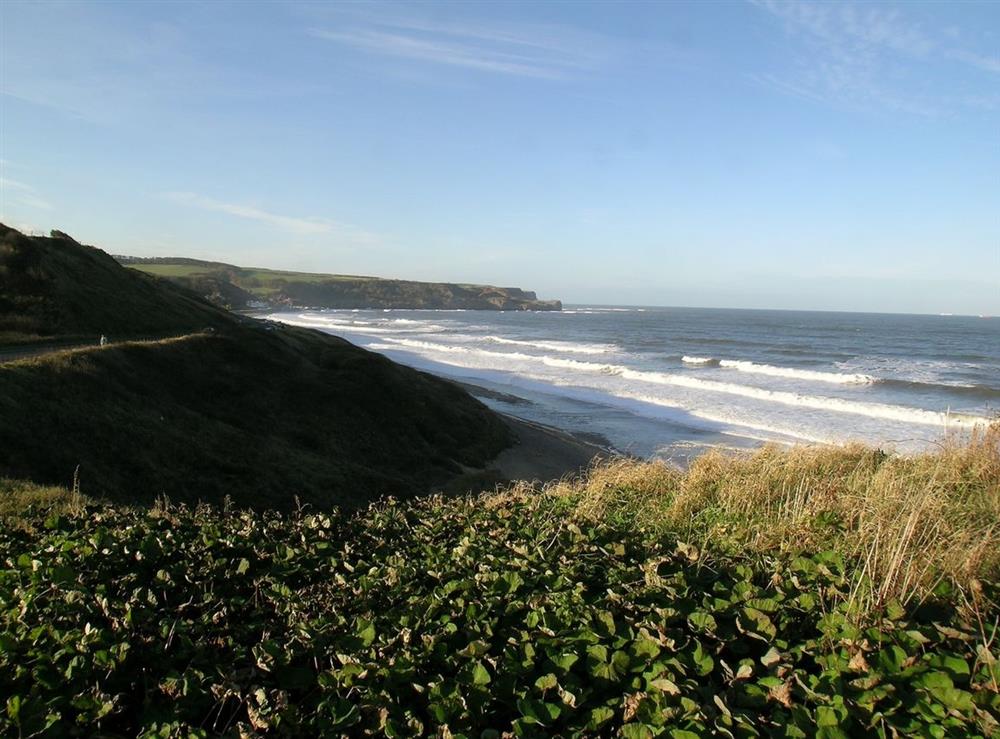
[(540, 453), (544, 453)]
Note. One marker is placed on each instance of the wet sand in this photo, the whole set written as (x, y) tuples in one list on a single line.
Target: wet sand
[(543, 453)]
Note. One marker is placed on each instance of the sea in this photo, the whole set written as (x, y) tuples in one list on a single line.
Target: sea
[(672, 383)]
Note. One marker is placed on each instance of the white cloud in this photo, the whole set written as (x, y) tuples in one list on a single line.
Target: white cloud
[(299, 226), (844, 24), (866, 55), (545, 52), (989, 63), (22, 194)]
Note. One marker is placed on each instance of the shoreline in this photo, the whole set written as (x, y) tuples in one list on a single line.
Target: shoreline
[(540, 453), (544, 453), (593, 439)]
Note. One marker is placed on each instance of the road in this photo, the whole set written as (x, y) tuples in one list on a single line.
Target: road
[(13, 352)]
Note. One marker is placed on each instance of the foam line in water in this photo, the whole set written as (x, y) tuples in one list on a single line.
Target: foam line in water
[(730, 423), (981, 392), (836, 405), (839, 378), (767, 430), (341, 325), (555, 346), (699, 360)]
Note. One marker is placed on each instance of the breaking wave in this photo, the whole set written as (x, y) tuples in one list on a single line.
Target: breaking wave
[(704, 361), (839, 378), (556, 346), (837, 405)]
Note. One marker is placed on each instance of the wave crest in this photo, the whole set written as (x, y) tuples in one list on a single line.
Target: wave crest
[(839, 378), (704, 361), (555, 346)]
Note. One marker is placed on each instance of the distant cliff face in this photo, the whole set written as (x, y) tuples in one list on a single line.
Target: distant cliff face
[(241, 288), (363, 293)]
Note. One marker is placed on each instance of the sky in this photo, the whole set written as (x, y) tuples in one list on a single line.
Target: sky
[(762, 154)]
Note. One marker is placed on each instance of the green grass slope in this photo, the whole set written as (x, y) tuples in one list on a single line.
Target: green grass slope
[(260, 416), (55, 287), (259, 413)]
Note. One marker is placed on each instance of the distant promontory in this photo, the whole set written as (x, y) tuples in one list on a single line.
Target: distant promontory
[(242, 288)]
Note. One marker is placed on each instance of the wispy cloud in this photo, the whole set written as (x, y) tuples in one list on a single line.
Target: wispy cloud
[(309, 226), (544, 52), (866, 55), (859, 27), (988, 63), (22, 194)]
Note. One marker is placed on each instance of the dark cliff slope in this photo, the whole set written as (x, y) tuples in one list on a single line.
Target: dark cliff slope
[(259, 413), (56, 287)]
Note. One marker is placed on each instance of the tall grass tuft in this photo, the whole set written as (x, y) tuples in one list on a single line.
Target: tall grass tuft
[(909, 522)]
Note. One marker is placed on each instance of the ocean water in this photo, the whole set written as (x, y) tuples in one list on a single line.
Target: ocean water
[(672, 382)]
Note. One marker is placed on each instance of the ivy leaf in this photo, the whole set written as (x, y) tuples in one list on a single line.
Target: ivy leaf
[(480, 675)]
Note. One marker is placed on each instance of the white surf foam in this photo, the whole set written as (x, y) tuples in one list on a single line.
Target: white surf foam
[(556, 346), (342, 325), (730, 423), (839, 378), (434, 346), (837, 405), (697, 360)]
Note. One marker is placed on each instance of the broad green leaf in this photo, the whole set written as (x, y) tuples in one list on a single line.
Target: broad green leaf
[(480, 675)]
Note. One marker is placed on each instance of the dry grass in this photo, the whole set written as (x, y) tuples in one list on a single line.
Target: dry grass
[(909, 522), (17, 497)]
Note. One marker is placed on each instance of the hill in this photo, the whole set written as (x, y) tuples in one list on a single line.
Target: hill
[(244, 409), (57, 287), (242, 287)]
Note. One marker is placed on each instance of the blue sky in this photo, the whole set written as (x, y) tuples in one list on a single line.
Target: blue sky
[(746, 154)]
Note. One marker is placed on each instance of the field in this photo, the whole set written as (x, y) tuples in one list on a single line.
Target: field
[(171, 270), (247, 275), (826, 592)]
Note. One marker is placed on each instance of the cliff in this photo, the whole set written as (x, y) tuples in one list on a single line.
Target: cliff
[(240, 288)]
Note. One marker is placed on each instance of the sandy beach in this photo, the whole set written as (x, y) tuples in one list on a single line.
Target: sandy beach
[(543, 453), (539, 454)]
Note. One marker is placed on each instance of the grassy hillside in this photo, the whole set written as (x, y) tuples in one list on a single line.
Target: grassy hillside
[(756, 596), (247, 410), (258, 415), (55, 287), (237, 287)]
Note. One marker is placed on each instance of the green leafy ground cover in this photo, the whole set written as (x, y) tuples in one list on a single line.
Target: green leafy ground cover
[(473, 616)]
